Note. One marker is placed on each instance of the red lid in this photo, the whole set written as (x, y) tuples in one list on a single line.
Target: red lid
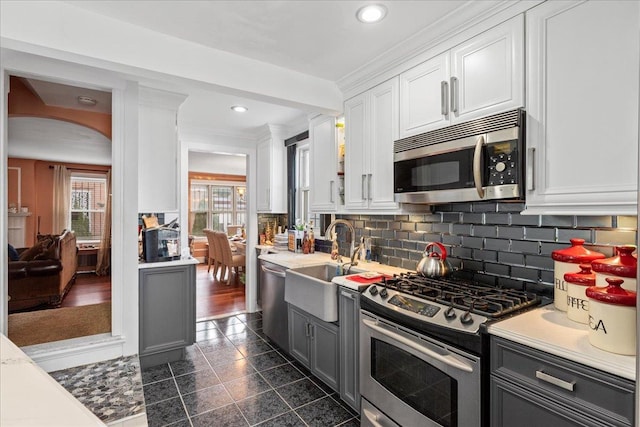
[(576, 254), (613, 294), (624, 264), (583, 277)]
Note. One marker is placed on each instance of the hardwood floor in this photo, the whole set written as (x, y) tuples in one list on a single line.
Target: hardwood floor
[(88, 289), (215, 298)]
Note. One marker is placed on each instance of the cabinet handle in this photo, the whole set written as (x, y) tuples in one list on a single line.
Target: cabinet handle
[(444, 97), (307, 331), (364, 183), (346, 294), (369, 187), (312, 330), (567, 385), (531, 162), (454, 94), (331, 184)]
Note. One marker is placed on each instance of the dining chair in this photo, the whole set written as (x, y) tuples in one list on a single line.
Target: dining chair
[(230, 261), (212, 258), (233, 230)]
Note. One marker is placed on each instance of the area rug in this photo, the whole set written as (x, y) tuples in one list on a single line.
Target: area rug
[(37, 327)]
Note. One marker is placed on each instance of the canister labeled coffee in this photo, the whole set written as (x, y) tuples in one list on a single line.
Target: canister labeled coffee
[(565, 261), (577, 301)]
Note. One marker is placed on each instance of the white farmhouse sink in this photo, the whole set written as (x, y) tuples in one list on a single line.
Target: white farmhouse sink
[(310, 289)]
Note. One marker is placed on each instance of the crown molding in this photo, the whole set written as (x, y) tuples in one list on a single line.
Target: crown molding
[(467, 21)]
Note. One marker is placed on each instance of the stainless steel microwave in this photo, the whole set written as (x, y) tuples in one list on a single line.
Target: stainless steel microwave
[(481, 159)]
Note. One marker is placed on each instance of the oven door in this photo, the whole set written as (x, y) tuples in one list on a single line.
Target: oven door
[(414, 380)]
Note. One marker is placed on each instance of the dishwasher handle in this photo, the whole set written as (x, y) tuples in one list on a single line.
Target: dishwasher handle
[(274, 272)]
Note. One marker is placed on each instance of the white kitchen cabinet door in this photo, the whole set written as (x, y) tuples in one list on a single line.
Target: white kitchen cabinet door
[(371, 127), (424, 96), (263, 181), (356, 162), (271, 172), (384, 131), (582, 108), (324, 158), (158, 153), (487, 75)]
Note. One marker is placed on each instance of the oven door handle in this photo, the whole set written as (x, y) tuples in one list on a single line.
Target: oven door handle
[(477, 164), (371, 417), (447, 359)]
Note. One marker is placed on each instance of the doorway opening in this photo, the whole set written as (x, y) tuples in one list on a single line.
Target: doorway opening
[(59, 229), (218, 203)]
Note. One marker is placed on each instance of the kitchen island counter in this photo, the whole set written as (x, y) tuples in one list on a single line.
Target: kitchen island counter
[(549, 330)]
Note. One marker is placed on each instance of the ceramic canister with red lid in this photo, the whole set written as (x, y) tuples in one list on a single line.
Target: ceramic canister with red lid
[(612, 317), (624, 266), (565, 261), (577, 301)]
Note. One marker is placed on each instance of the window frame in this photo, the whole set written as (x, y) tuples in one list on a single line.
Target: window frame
[(209, 212), (87, 177)]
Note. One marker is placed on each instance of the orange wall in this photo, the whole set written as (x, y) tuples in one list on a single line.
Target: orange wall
[(37, 192), (23, 103)]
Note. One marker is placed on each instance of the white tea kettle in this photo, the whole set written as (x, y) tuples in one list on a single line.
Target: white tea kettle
[(434, 264)]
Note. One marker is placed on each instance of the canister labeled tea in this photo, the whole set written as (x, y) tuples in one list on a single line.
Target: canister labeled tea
[(612, 317), (565, 261)]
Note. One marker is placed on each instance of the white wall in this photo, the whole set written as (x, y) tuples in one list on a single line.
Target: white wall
[(218, 163)]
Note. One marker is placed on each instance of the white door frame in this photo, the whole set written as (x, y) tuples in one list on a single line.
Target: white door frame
[(123, 339)]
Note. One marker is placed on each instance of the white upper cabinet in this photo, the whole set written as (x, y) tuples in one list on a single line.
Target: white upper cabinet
[(271, 172), (482, 76), (323, 147), (582, 107), (425, 96), (371, 127), (158, 152)]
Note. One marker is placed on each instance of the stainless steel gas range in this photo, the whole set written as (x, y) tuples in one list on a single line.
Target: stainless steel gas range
[(422, 349)]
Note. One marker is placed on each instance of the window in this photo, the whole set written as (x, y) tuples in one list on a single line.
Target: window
[(88, 203), (217, 206), (303, 188)]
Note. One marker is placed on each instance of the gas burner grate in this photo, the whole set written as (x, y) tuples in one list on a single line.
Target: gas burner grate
[(477, 298)]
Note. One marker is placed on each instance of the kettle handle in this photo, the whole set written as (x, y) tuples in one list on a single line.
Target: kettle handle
[(443, 250)]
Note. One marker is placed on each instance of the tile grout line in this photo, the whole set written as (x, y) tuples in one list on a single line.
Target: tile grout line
[(184, 406)]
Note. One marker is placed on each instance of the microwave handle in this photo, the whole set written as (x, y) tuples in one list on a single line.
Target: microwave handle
[(531, 152), (477, 164)]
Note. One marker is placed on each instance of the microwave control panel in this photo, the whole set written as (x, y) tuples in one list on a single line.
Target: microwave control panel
[(502, 162)]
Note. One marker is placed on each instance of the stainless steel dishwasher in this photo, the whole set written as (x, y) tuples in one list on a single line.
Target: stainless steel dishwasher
[(275, 320)]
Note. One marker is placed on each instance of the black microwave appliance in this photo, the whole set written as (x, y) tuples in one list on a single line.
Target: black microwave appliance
[(160, 244), (482, 159)]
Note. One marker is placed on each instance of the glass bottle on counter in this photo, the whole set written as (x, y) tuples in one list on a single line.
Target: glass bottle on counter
[(312, 241)]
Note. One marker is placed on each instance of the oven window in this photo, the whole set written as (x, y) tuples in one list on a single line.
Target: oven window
[(426, 389)]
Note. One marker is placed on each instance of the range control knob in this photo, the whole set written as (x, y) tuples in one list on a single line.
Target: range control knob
[(383, 293), (450, 314), (500, 166), (466, 318), (373, 290)]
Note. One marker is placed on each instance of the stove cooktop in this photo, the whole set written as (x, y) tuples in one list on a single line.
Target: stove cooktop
[(449, 303)]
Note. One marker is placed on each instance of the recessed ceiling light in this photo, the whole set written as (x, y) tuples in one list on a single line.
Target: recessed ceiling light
[(239, 108), (371, 13), (87, 100)]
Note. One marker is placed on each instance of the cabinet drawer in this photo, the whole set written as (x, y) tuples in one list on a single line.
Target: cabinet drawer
[(565, 382)]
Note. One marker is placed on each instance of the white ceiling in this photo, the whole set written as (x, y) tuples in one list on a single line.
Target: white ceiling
[(64, 96), (319, 38)]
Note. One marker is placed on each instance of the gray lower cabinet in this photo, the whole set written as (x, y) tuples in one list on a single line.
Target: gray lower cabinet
[(531, 388), (167, 313), (349, 309), (314, 343)]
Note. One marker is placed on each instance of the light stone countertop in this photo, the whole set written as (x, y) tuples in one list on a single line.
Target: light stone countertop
[(182, 261), (549, 330), (296, 260), (30, 397)]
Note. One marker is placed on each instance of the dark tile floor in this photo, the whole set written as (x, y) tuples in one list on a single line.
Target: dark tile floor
[(234, 376)]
